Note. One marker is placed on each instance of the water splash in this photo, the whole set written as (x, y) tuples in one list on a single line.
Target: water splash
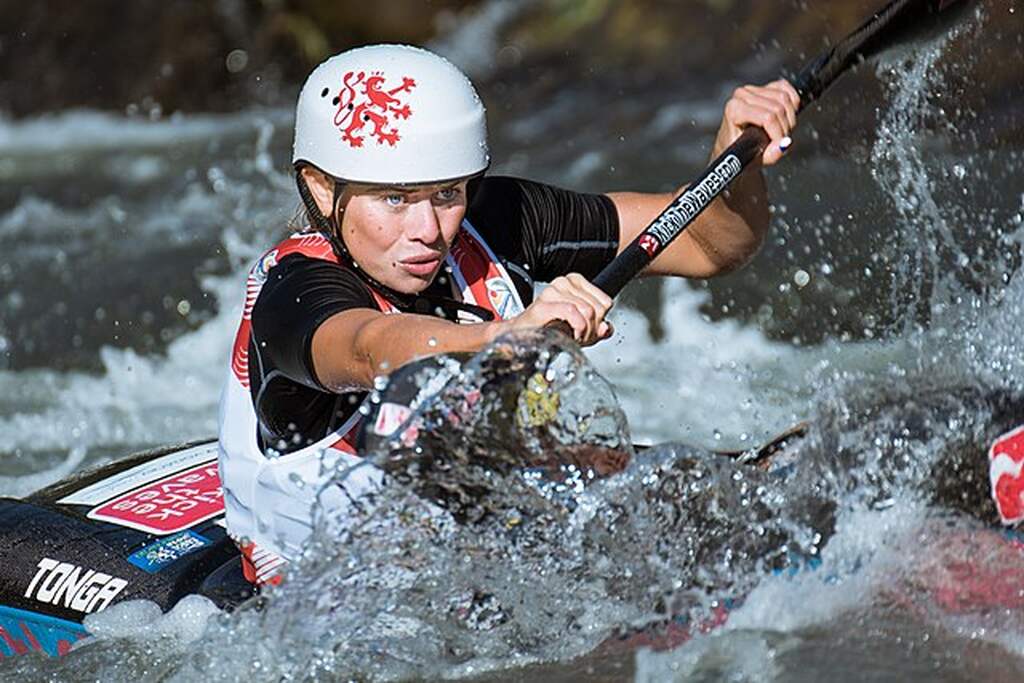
[(943, 245)]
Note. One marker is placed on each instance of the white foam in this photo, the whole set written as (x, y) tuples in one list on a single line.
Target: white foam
[(80, 130), (718, 384), (860, 560), (137, 399), (143, 620), (18, 487), (473, 43)]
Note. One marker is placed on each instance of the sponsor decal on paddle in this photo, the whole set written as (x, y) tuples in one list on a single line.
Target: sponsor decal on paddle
[(686, 207), (169, 505), (1005, 462), (650, 244), (365, 100), (156, 556), (67, 585)]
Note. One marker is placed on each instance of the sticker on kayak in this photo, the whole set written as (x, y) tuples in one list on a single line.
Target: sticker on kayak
[(169, 505), (1005, 462), (22, 632), (122, 482), (159, 554)]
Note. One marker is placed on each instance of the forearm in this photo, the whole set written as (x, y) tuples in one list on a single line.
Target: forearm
[(354, 347), (735, 225), (720, 240), (731, 231)]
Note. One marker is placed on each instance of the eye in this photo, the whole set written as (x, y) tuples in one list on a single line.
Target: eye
[(393, 199), (448, 194)]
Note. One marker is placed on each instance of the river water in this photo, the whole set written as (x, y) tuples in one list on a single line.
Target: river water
[(885, 310)]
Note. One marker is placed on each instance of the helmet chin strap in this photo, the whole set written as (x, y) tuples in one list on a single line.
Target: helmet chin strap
[(331, 229)]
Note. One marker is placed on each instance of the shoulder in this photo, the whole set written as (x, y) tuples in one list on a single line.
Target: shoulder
[(503, 190), (501, 206), (296, 275)]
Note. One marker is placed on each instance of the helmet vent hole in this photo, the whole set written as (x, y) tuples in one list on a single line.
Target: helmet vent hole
[(324, 92), (336, 100)]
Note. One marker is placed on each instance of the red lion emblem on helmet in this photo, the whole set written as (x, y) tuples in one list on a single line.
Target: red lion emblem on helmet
[(370, 104)]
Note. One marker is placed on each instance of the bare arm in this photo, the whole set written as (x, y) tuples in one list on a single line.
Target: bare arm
[(353, 347), (734, 227)]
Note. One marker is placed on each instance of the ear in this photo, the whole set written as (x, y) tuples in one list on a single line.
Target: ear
[(321, 187)]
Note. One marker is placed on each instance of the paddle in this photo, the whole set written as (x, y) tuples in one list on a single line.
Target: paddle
[(895, 24)]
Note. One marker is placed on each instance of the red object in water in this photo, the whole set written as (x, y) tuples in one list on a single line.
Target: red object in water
[(1006, 474)]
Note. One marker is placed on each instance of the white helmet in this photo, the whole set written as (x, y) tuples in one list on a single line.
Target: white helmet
[(390, 114)]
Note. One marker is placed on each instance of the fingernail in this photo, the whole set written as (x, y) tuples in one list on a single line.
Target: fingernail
[(785, 143)]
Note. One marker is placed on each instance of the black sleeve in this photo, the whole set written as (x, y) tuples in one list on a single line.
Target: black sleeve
[(550, 230), (299, 295)]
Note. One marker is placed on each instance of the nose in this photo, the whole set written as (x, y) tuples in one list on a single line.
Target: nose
[(424, 225)]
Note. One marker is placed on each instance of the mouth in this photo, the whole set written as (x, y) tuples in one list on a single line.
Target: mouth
[(422, 265)]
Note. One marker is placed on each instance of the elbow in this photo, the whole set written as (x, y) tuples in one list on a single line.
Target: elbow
[(366, 365), (729, 250), (746, 252)]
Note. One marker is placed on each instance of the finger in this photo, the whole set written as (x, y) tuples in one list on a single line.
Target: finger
[(559, 288), (778, 94), (567, 311), (757, 110), (577, 321), (790, 90), (567, 292), (764, 105), (583, 289), (772, 155)]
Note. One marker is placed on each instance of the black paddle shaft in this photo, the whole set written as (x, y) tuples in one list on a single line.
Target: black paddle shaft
[(891, 25)]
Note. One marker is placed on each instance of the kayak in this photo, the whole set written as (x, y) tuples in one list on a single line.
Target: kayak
[(150, 526)]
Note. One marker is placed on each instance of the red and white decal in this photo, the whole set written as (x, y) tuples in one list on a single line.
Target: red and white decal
[(650, 244), (169, 505), (261, 567), (364, 99), (1005, 464)]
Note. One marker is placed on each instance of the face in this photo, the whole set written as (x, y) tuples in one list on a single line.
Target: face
[(401, 235)]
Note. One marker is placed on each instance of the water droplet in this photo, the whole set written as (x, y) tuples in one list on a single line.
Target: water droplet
[(184, 307), (959, 171), (432, 342), (236, 61), (801, 278)]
